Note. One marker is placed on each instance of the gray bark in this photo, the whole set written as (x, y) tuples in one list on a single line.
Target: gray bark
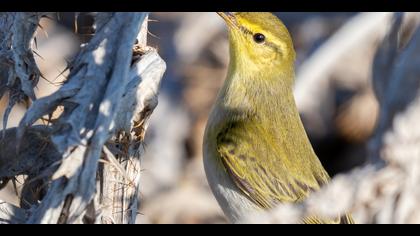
[(19, 73), (107, 99), (10, 214)]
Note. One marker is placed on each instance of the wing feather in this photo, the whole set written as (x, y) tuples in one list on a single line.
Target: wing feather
[(268, 183)]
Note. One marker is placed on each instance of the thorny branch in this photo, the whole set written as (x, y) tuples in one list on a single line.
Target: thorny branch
[(19, 73), (107, 99)]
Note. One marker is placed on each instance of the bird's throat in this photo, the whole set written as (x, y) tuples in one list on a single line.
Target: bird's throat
[(258, 95), (266, 103)]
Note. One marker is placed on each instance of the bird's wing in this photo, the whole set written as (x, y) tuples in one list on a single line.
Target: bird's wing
[(264, 182), (269, 180)]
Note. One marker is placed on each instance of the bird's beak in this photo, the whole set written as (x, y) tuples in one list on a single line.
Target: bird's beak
[(229, 18)]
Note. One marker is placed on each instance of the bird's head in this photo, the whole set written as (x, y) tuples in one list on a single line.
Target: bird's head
[(259, 40)]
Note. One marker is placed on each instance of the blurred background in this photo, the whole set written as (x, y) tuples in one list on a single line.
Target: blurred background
[(338, 108)]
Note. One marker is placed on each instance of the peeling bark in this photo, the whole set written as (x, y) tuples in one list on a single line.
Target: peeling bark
[(107, 99)]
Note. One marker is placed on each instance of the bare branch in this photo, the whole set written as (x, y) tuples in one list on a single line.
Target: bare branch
[(119, 194), (10, 214), (35, 154), (19, 73), (91, 99)]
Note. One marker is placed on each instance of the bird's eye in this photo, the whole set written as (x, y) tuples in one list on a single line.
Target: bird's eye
[(259, 38)]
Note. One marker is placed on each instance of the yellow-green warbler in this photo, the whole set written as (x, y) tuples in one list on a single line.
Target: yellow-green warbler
[(256, 151)]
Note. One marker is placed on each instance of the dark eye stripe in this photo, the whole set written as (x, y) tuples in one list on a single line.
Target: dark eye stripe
[(245, 30), (272, 45), (268, 43)]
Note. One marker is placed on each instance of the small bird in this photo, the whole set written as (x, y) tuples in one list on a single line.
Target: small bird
[(256, 151)]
